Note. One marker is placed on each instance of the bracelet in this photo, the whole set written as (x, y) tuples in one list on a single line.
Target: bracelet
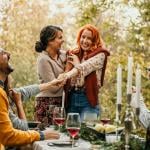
[(42, 136)]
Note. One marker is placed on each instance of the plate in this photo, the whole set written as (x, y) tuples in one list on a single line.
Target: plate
[(59, 143), (119, 129), (108, 128)]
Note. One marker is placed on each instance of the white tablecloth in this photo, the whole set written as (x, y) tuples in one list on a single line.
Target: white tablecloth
[(43, 145)]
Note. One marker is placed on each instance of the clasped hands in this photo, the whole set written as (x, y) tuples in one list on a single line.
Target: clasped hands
[(62, 78)]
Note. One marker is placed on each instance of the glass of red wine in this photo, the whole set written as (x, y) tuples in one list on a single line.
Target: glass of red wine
[(105, 117), (73, 124), (59, 116)]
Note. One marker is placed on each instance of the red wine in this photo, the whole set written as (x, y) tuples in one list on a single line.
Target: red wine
[(59, 121), (105, 120), (73, 131)]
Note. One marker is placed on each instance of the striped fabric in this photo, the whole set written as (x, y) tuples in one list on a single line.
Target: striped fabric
[(144, 116)]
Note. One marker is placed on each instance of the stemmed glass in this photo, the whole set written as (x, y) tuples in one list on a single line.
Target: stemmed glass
[(105, 119), (105, 116), (73, 124), (59, 116), (50, 113), (90, 118)]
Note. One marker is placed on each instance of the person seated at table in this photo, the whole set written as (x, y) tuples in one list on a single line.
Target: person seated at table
[(18, 95), (86, 65), (144, 115), (9, 136)]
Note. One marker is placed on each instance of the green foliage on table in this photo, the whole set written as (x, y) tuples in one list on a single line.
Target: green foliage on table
[(98, 139), (90, 134), (62, 128)]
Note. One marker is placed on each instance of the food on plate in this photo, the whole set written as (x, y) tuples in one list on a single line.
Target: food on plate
[(105, 128), (99, 127), (110, 128)]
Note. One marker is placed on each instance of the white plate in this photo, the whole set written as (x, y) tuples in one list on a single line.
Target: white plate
[(59, 143)]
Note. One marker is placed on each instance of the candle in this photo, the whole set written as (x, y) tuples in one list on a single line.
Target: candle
[(129, 78), (119, 84), (63, 99), (138, 85)]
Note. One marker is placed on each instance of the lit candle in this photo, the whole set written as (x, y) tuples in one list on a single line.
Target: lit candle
[(138, 85), (119, 84), (129, 78), (63, 99)]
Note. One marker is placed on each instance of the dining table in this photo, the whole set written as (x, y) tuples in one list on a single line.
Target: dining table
[(61, 144)]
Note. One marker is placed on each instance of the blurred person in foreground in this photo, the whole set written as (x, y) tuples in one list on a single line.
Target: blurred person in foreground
[(10, 136), (144, 115)]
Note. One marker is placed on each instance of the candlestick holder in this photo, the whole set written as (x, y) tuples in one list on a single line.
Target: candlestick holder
[(129, 122), (137, 112), (118, 120)]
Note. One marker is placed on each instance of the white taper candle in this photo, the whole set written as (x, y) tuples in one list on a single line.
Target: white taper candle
[(119, 84), (129, 77), (138, 85)]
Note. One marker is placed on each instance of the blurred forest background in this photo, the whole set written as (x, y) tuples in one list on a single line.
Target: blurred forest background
[(124, 25)]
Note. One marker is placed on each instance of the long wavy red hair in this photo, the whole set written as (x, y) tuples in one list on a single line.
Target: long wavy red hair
[(96, 38)]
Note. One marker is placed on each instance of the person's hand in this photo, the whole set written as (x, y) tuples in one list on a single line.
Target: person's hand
[(52, 84), (62, 76), (60, 81), (51, 134), (73, 59), (15, 96)]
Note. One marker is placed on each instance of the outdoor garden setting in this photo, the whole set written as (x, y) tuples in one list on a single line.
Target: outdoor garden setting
[(124, 29)]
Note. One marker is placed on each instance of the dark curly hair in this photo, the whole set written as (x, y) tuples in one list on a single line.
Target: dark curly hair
[(47, 34)]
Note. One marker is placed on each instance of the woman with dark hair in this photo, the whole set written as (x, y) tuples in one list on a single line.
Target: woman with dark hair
[(87, 64), (50, 64)]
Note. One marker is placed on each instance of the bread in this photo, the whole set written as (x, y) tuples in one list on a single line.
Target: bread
[(105, 128)]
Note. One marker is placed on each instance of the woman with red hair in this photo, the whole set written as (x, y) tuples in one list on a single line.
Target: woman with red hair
[(86, 65)]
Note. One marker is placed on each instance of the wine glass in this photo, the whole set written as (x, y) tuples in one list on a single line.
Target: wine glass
[(105, 117), (90, 118), (73, 124), (50, 114), (59, 116)]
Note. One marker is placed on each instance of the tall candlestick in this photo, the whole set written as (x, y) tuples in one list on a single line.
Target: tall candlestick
[(117, 114), (138, 85), (63, 99), (129, 78), (119, 84)]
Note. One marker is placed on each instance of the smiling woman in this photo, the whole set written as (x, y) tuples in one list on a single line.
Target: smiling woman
[(87, 64), (50, 64)]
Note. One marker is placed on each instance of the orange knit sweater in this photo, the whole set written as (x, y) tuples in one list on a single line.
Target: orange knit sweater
[(8, 135)]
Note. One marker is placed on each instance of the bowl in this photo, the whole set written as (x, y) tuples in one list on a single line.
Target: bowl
[(33, 124), (112, 138)]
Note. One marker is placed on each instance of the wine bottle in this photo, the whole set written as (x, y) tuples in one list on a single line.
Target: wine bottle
[(147, 144)]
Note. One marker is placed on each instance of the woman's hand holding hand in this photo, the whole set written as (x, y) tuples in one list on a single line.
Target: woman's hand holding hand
[(73, 59), (15, 96), (56, 82), (63, 78)]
